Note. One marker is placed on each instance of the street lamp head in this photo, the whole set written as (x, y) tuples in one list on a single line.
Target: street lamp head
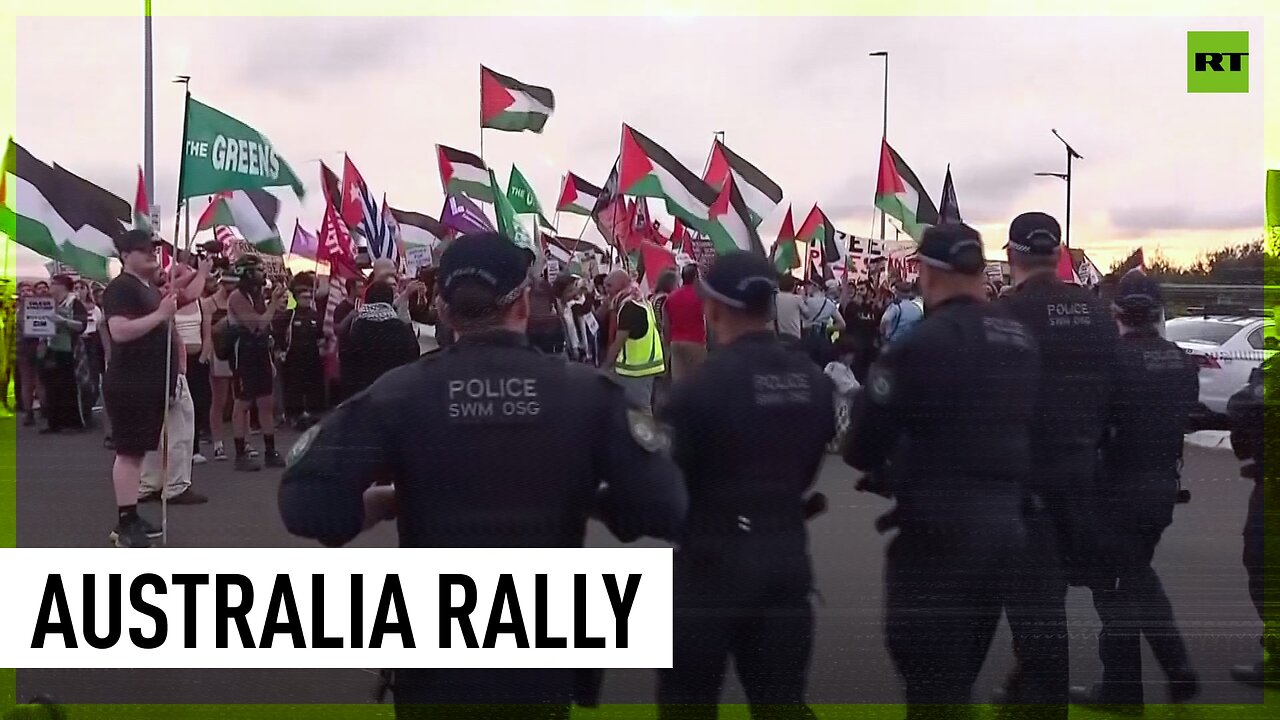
[(880, 53), (1062, 176), (184, 79)]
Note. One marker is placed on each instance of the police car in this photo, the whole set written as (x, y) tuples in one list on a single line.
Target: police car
[(1226, 348)]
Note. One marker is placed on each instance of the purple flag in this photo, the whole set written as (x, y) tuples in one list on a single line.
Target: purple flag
[(304, 244), (463, 216)]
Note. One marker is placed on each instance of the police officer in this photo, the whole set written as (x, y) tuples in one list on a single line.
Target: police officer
[(930, 433), (455, 439), (749, 430), (1247, 410), (1156, 389), (1077, 341)]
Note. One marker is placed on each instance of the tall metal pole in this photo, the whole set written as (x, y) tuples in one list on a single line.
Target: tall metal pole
[(148, 114), (1067, 242), (884, 133), (1071, 153)]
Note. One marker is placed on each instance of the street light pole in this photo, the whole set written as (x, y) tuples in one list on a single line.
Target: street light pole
[(1071, 153), (884, 133)]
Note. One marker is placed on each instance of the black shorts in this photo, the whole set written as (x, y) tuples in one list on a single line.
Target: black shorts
[(136, 409), (251, 374)]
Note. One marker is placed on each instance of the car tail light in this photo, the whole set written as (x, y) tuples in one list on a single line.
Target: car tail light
[(1208, 362)]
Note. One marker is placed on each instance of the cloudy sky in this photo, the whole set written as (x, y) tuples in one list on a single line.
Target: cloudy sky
[(799, 97)]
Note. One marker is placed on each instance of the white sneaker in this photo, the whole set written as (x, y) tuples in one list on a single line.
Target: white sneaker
[(219, 453), (199, 459), (248, 450)]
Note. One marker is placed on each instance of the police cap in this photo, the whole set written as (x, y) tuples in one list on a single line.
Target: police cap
[(954, 247), (741, 280), (1034, 233), (490, 260), (1137, 293)]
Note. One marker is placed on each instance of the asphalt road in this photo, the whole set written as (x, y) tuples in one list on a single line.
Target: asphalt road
[(64, 500)]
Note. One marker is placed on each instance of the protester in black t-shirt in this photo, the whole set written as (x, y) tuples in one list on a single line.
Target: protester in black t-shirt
[(146, 358), (252, 373)]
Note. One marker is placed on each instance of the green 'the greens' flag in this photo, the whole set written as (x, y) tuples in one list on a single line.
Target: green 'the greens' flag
[(523, 201), (221, 153), (508, 224)]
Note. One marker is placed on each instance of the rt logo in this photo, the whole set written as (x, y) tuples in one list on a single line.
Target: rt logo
[(1217, 62)]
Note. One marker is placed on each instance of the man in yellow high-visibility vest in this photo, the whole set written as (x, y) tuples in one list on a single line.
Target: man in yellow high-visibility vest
[(635, 350)]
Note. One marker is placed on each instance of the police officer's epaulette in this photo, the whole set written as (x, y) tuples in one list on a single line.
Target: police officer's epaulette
[(435, 354)]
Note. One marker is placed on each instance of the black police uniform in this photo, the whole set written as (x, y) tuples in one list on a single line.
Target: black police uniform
[(462, 434), (1247, 410), (930, 432), (1155, 390), (749, 431), (1077, 340)]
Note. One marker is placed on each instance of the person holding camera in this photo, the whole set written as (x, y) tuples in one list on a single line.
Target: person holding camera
[(249, 318)]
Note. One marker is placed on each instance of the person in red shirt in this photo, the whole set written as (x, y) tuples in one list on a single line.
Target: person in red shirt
[(686, 328)]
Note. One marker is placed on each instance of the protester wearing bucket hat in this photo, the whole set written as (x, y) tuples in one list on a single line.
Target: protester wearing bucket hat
[(449, 438), (928, 431), (1077, 340), (751, 426), (1156, 390)]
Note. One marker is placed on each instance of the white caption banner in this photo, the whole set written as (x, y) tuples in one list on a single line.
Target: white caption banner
[(592, 601)]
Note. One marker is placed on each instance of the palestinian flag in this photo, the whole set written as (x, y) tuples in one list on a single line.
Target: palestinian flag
[(901, 195), (419, 229), (59, 215), (114, 206), (760, 193), (612, 214), (577, 196), (464, 173), (653, 260), (818, 231), (331, 187), (648, 170), (730, 225), (508, 104), (786, 256), (252, 212), (142, 207)]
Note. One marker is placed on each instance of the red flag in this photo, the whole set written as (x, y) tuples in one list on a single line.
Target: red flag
[(680, 238), (141, 206), (1066, 272), (336, 247), (655, 260), (353, 190)]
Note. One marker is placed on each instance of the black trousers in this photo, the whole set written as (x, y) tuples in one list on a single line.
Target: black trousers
[(1254, 558), (1132, 606), (302, 379), (744, 597), (61, 393), (944, 591), (1061, 548)]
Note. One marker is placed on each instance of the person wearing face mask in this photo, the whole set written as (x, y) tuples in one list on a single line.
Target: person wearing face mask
[(302, 370)]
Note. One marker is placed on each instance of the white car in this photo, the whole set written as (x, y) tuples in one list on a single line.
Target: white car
[(1227, 348)]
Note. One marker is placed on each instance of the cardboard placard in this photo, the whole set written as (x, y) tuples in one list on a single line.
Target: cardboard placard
[(37, 317)]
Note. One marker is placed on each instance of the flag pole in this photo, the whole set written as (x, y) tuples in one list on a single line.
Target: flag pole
[(173, 266), (148, 110)]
